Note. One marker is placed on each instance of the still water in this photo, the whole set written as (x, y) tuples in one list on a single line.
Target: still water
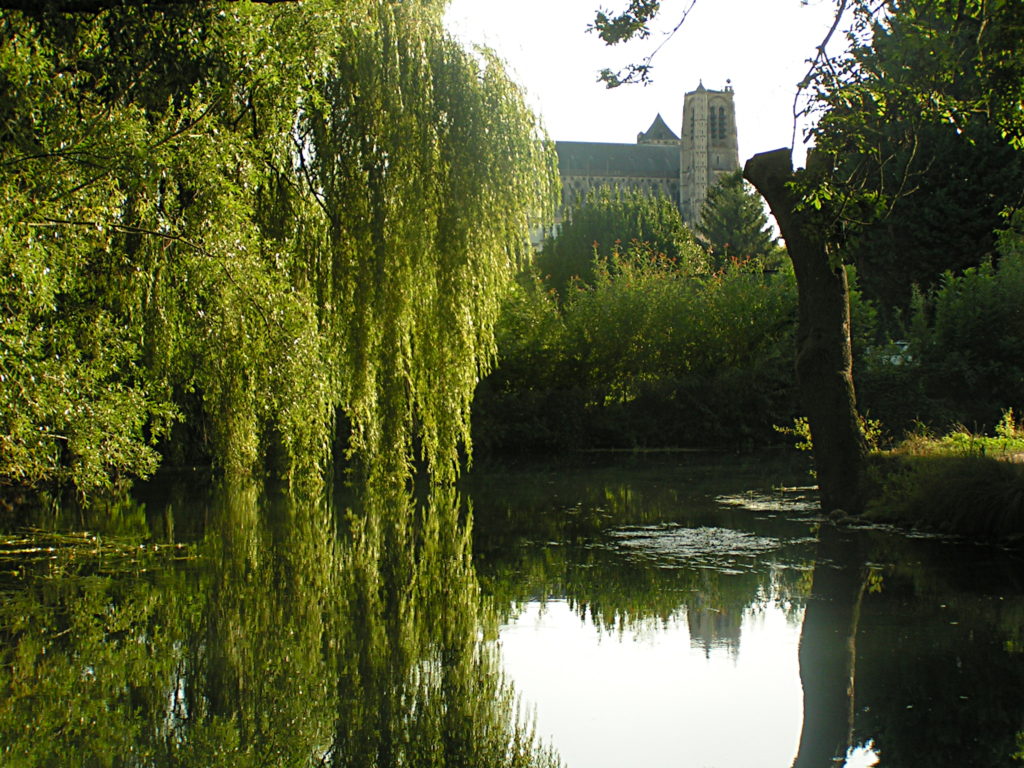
[(643, 611)]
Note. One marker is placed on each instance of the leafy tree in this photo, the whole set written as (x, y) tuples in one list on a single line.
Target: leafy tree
[(734, 224), (649, 355), (969, 373), (954, 65), (925, 157), (246, 221), (606, 222)]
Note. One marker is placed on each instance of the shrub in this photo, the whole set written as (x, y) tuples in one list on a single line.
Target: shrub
[(646, 356), (972, 495), (960, 482), (962, 359), (598, 228)]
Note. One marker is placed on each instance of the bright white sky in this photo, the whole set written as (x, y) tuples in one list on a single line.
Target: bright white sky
[(652, 699), (761, 45)]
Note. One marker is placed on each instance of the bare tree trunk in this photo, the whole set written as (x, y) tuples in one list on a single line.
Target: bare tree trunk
[(824, 363)]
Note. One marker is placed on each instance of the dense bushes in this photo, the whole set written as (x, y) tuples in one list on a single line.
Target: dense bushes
[(652, 353), (959, 483), (962, 360), (605, 222), (648, 356)]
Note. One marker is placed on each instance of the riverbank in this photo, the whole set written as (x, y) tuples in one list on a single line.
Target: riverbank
[(976, 495)]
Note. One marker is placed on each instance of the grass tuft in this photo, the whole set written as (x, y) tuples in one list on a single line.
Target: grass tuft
[(959, 483)]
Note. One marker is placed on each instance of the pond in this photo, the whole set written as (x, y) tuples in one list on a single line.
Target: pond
[(648, 610)]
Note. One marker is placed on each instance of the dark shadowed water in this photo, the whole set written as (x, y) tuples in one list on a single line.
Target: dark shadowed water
[(681, 610)]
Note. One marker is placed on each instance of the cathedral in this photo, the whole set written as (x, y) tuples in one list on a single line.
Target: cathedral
[(682, 168)]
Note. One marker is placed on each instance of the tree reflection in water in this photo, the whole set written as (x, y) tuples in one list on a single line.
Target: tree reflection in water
[(297, 632), (910, 646), (292, 638)]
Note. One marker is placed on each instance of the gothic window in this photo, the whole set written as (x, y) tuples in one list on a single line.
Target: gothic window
[(712, 125), (721, 122)]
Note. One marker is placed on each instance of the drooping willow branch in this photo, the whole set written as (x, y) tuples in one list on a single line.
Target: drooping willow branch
[(168, 237), (96, 6)]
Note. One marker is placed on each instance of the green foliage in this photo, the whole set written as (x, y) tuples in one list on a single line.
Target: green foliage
[(955, 491), (647, 356), (871, 429), (962, 183), (627, 25), (920, 124), (283, 643), (959, 482), (611, 223), (1008, 441), (735, 226), (226, 226), (963, 352), (800, 431)]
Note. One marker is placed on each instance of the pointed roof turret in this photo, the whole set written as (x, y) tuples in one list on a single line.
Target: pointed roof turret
[(658, 133)]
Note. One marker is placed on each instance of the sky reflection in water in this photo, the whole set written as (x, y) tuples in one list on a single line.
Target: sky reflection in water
[(657, 621), (654, 696)]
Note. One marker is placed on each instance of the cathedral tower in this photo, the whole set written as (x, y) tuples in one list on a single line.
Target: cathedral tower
[(708, 148)]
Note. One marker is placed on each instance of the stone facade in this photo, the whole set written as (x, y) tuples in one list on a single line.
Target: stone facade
[(708, 149), (681, 168)]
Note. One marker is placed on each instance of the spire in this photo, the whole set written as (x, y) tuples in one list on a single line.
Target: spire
[(658, 133)]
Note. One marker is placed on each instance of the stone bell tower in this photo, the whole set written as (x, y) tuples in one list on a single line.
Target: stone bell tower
[(708, 147)]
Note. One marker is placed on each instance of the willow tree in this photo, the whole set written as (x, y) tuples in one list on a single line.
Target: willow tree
[(427, 169), (244, 220)]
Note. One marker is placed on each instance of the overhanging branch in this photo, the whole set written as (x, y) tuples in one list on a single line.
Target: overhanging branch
[(96, 6)]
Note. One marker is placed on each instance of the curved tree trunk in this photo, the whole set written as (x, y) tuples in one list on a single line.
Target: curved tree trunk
[(824, 363)]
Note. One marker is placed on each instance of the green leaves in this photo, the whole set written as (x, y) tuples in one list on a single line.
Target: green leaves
[(607, 222), (647, 355), (251, 219), (632, 23), (735, 226)]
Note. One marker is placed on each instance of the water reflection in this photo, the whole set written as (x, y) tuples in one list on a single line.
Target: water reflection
[(290, 637), (901, 650), (669, 612), (659, 695)]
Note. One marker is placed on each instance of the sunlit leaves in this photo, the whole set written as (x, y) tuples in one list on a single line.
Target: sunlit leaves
[(607, 221), (431, 171), (627, 25), (252, 218), (648, 354)]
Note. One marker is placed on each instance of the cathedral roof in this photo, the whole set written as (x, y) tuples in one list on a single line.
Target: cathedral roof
[(658, 131), (585, 158)]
